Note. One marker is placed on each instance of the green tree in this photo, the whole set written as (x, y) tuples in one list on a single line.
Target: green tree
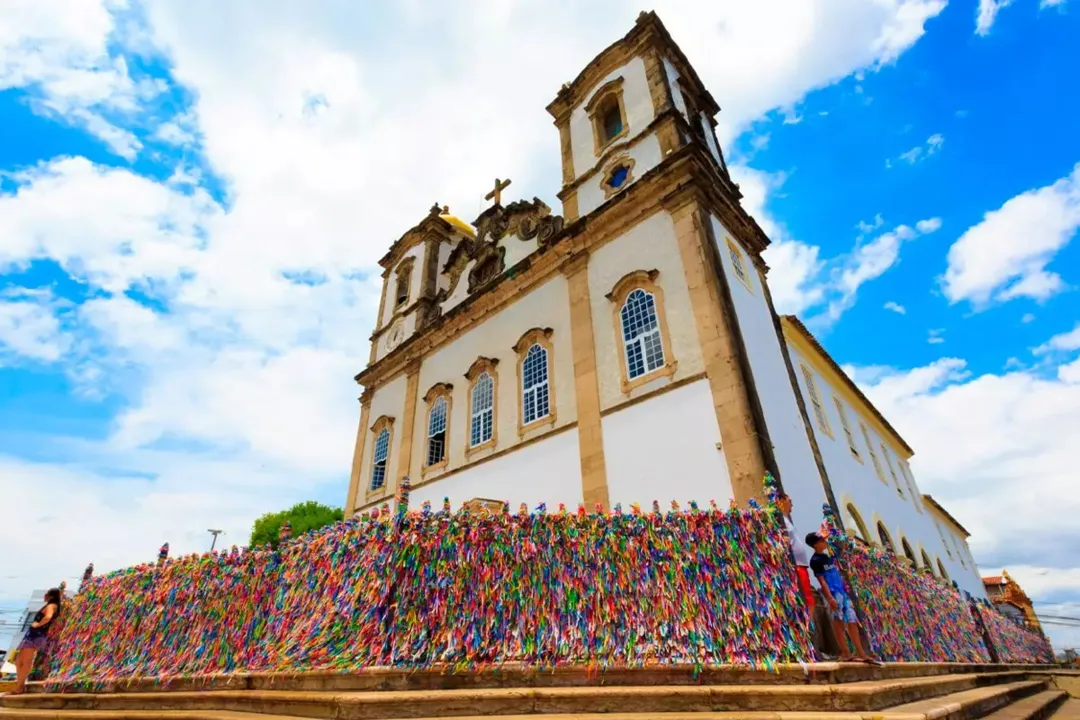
[(303, 517)]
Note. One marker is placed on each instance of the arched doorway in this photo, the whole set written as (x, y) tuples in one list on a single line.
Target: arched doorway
[(885, 537), (855, 521), (926, 562), (909, 553)]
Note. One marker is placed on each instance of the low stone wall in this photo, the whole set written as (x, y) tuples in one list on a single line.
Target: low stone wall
[(1012, 643), (418, 589)]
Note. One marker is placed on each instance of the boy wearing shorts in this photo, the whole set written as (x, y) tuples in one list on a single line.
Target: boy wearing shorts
[(836, 595)]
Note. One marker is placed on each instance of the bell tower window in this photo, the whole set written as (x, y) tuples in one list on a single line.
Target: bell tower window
[(403, 282), (612, 120), (607, 112)]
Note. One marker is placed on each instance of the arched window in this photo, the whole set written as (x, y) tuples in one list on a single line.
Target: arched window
[(404, 281), (535, 368), (857, 521), (926, 562), (534, 384), (641, 326), (941, 569), (909, 553), (641, 334), (438, 400), (886, 538), (481, 377), (612, 119), (608, 115), (380, 455)]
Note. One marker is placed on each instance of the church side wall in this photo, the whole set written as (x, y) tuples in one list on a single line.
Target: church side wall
[(547, 471), (649, 245), (794, 456), (857, 483), (547, 306), (637, 102), (389, 400), (673, 83), (664, 449)]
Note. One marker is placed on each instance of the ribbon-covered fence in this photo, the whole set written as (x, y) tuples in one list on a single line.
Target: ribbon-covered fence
[(911, 616), (1013, 643), (416, 589)]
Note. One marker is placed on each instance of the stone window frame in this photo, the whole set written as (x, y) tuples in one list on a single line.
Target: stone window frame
[(531, 337), (845, 425), (738, 263), (403, 274), (381, 424), (611, 91), (480, 366), (905, 471), (436, 391), (620, 160), (644, 280), (878, 470), (821, 415), (892, 470)]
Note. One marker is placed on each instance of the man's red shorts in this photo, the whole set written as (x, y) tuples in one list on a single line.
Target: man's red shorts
[(805, 587)]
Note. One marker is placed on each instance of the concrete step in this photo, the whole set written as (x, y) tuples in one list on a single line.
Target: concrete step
[(872, 695), (1036, 707), (974, 703), (513, 675), (1070, 710)]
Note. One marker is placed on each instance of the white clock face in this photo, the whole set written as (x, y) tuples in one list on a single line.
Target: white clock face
[(393, 338)]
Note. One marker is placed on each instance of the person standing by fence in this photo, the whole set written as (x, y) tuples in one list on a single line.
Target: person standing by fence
[(832, 587), (36, 640)]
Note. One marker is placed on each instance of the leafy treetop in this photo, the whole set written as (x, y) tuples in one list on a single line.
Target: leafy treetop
[(303, 517)]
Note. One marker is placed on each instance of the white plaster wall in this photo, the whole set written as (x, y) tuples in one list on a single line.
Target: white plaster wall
[(664, 449), (443, 281), (546, 306), (637, 102), (650, 245), (516, 249), (791, 445), (388, 400), (461, 290), (645, 154), (673, 83), (547, 471), (857, 482)]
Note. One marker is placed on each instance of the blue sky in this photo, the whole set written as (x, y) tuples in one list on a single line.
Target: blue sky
[(191, 213)]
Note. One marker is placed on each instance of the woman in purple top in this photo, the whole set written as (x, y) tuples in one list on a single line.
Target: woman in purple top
[(37, 639)]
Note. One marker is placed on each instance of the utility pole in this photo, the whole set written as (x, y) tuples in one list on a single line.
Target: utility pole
[(215, 533)]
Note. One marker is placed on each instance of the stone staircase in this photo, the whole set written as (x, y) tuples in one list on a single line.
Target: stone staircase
[(897, 691)]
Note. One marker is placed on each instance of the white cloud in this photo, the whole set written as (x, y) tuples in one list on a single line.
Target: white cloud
[(931, 147), (1028, 317), (999, 452), (934, 337), (1006, 254), (1050, 3), (896, 308), (332, 138), (986, 13), (29, 327), (1065, 342), (928, 226)]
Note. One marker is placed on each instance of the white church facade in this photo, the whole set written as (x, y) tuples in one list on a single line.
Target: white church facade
[(625, 351)]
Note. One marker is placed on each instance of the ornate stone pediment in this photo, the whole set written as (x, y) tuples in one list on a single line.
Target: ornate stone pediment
[(527, 220)]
